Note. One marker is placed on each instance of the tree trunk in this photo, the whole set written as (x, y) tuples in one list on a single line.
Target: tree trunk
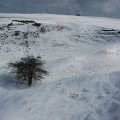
[(30, 81)]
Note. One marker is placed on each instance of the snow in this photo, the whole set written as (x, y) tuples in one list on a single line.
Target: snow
[(82, 57)]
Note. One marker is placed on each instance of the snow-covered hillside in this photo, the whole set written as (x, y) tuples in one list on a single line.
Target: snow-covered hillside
[(82, 55)]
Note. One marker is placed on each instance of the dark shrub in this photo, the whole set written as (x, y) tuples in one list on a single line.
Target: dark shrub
[(29, 69)]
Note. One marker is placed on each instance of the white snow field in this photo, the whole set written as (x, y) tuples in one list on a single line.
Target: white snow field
[(82, 55)]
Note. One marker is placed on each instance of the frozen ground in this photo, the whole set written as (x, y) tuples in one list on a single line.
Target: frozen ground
[(82, 56)]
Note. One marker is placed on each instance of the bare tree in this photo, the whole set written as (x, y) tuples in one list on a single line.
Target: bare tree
[(29, 69)]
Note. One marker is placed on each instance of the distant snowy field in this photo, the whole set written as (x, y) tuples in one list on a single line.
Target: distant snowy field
[(82, 55)]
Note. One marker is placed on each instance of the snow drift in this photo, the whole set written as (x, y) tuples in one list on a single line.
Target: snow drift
[(82, 55)]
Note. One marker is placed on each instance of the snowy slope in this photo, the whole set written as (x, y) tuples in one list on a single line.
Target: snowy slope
[(82, 55)]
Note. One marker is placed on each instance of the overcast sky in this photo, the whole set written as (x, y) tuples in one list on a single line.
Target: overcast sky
[(107, 8)]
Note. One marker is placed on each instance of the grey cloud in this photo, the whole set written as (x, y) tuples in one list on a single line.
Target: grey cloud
[(85, 7)]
